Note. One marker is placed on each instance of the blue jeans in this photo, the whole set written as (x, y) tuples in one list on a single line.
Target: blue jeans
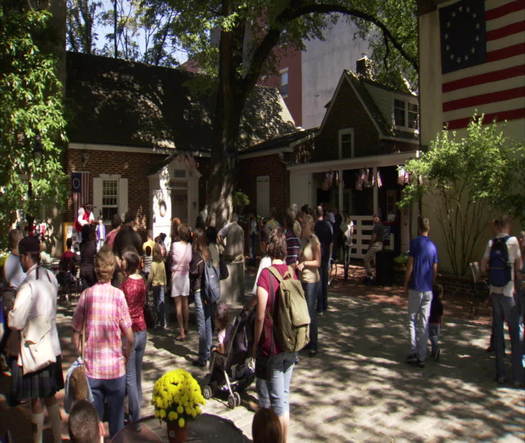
[(434, 329), (203, 312), (134, 375), (311, 291), (322, 297), (158, 296), (418, 314), (506, 309), (112, 392), (275, 391)]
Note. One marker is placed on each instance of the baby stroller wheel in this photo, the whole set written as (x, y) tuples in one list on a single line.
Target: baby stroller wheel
[(237, 398), (232, 401), (207, 392)]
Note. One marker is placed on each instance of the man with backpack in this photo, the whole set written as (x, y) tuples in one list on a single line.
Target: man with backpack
[(502, 261), (420, 275)]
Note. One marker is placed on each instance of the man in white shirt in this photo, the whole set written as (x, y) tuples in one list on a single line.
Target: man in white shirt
[(502, 260)]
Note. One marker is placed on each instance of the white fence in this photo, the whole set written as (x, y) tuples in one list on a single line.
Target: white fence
[(363, 225)]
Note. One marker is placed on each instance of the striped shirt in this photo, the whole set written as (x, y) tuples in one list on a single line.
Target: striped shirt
[(293, 246), (106, 314)]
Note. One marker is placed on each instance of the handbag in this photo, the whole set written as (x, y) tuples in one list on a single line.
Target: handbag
[(223, 268), (36, 350)]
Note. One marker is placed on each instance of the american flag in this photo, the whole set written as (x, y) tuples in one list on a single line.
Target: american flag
[(80, 190), (482, 60)]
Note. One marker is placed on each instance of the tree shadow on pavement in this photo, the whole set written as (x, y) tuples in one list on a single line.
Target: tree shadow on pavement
[(359, 388)]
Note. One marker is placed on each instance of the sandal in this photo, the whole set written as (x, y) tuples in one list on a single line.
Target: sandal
[(180, 337)]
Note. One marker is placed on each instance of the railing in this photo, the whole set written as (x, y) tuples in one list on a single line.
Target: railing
[(363, 225)]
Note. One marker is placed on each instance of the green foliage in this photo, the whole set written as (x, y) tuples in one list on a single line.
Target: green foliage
[(470, 178), (30, 106), (399, 16), (240, 201)]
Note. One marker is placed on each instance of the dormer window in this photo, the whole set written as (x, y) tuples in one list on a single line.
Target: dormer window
[(405, 114)]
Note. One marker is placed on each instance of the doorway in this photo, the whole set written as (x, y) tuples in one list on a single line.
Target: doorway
[(179, 204)]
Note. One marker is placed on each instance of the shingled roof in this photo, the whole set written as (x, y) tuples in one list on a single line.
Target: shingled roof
[(118, 102)]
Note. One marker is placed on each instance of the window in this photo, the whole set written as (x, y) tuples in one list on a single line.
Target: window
[(109, 199), (399, 112), (413, 116), (406, 114), (283, 83), (346, 143)]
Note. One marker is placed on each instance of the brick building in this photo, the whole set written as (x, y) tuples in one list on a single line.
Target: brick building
[(140, 137)]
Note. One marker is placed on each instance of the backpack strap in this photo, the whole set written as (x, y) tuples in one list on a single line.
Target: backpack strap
[(276, 274)]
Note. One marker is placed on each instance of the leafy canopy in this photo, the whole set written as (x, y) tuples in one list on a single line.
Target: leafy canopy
[(30, 108)]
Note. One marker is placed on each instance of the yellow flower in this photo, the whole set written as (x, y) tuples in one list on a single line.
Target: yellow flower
[(172, 416), (162, 413), (182, 422), (180, 410)]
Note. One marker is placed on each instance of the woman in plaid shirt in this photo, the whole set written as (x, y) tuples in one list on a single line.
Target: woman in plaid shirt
[(103, 310)]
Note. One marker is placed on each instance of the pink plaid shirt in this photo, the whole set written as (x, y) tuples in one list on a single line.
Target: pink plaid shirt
[(107, 314)]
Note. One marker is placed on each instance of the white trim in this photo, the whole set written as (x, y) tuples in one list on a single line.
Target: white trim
[(356, 162), (264, 153), (138, 150), (373, 120), (340, 133), (399, 139), (115, 148), (332, 100)]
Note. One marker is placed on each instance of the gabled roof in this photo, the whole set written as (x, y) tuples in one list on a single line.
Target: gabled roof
[(118, 102), (282, 141), (359, 84)]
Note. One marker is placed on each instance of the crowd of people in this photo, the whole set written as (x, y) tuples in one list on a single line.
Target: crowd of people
[(112, 315)]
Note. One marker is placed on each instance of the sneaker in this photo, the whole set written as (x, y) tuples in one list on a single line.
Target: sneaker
[(411, 358), (312, 352), (199, 363), (420, 363)]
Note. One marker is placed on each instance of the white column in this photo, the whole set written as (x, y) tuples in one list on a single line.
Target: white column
[(375, 192)]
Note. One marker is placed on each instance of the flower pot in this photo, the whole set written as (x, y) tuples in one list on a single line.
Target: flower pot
[(176, 434)]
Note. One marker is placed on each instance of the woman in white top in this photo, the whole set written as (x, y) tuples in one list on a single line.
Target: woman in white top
[(37, 373), (180, 277)]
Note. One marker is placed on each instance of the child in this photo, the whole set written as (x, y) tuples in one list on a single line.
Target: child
[(157, 280), (222, 321), (148, 259), (84, 425), (434, 322), (134, 289), (266, 427)]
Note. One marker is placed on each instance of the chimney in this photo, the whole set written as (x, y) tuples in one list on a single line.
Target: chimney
[(363, 67)]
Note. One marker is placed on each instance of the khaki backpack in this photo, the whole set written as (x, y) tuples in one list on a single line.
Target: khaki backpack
[(291, 317)]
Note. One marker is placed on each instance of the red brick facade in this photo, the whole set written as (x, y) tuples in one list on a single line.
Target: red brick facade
[(272, 166), (133, 166)]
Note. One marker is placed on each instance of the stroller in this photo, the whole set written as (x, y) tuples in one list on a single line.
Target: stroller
[(230, 372)]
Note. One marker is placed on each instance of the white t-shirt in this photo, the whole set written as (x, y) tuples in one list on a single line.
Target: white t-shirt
[(513, 247)]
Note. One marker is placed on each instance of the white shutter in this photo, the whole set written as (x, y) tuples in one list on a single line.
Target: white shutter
[(97, 197), (123, 197), (263, 195)]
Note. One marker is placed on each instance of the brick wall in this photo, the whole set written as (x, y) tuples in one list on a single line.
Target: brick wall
[(275, 168), (133, 166)]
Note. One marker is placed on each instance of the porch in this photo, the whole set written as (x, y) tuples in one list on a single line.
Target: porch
[(339, 185)]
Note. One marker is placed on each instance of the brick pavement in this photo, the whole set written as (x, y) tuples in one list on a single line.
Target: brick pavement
[(358, 388)]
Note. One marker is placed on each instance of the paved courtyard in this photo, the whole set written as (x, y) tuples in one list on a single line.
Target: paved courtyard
[(358, 388)]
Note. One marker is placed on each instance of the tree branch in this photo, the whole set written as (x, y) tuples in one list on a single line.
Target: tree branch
[(296, 9)]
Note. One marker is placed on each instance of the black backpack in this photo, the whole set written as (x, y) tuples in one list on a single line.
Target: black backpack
[(500, 270), (212, 286)]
